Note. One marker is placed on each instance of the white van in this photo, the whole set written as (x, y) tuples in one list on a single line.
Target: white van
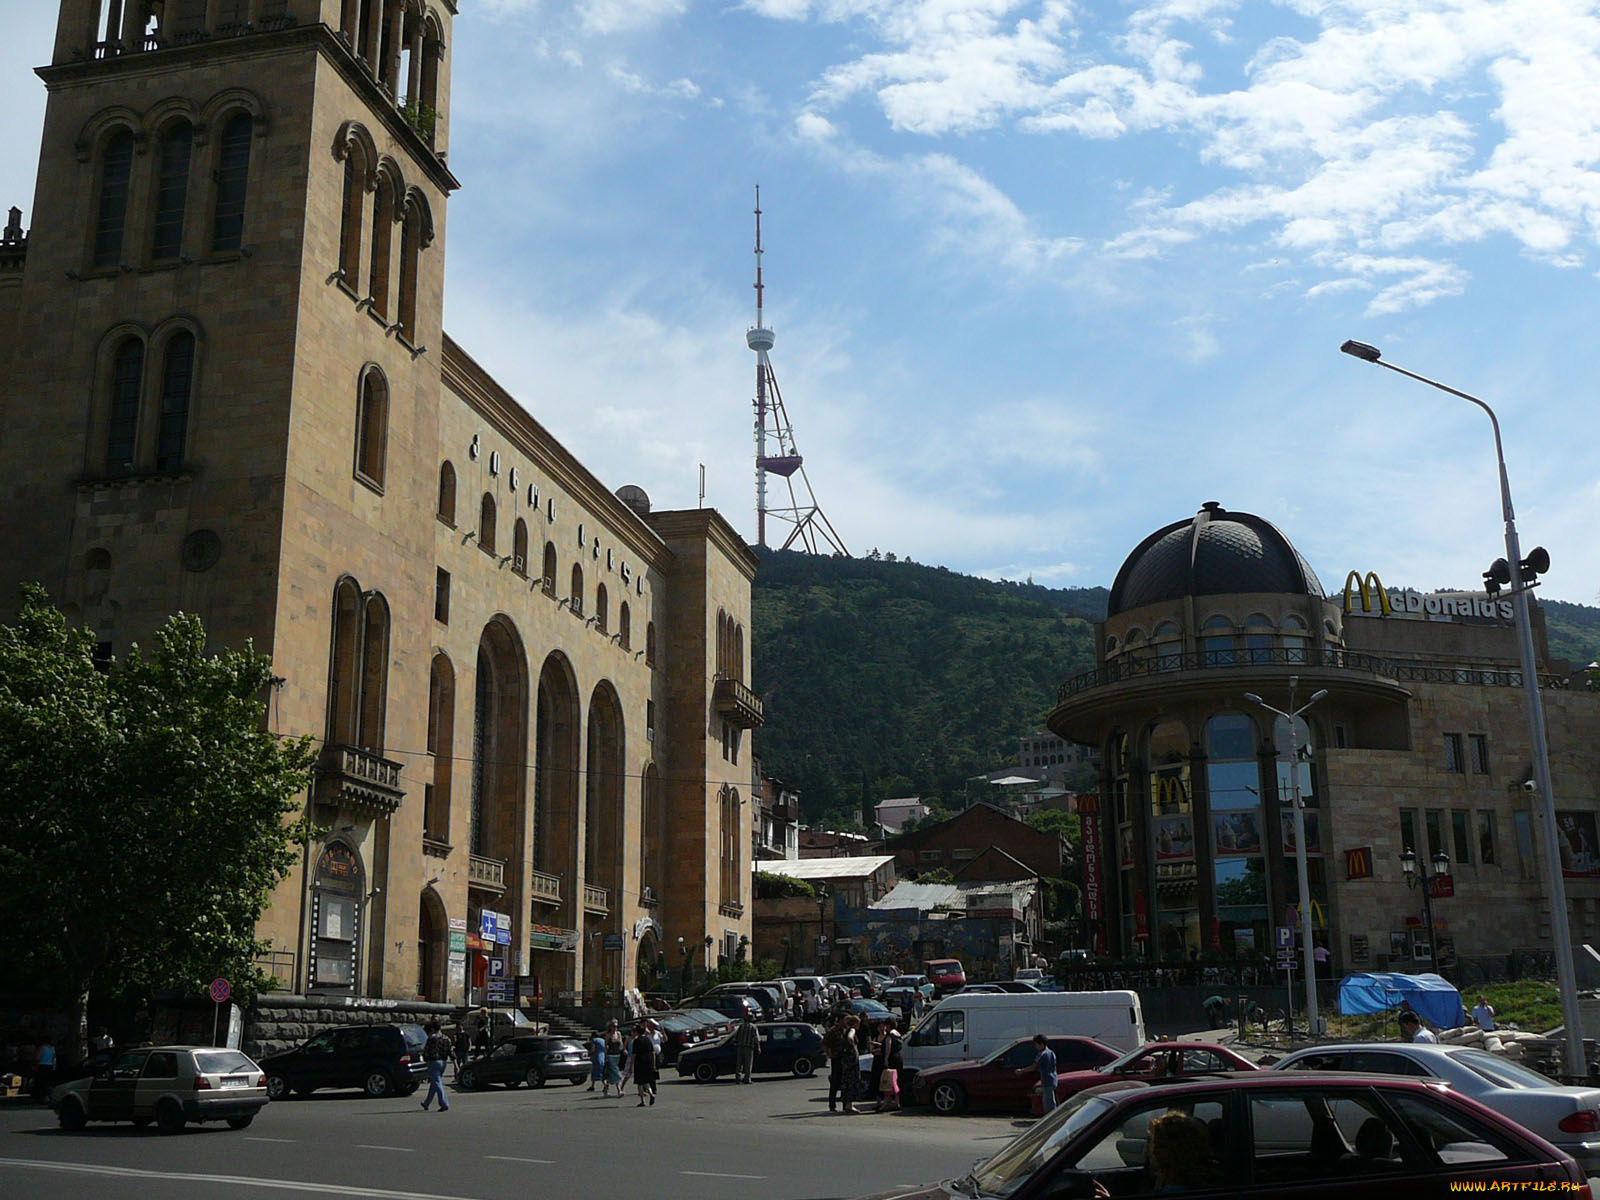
[(963, 1027)]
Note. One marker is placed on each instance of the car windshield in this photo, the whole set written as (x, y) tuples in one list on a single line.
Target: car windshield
[(1121, 1064), (222, 1062), (1013, 1166), (1500, 1071)]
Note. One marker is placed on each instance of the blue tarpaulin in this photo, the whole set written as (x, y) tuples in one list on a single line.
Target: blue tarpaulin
[(1435, 1000)]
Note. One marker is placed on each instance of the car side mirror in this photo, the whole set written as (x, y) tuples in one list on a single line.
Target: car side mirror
[(1068, 1185)]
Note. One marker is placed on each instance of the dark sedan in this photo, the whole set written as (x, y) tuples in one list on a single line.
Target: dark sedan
[(1271, 1135), (787, 1047), (994, 1082), (1151, 1062), (530, 1060)]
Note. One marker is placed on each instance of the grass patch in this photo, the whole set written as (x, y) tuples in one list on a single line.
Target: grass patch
[(1530, 1004)]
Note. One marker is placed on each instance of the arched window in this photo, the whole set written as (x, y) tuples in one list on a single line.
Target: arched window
[(601, 605), (177, 384), (519, 547), (1217, 645), (233, 174), (624, 626), (432, 51), (577, 589), (127, 385), (172, 190), (354, 208), (1167, 643), (738, 652), (441, 743), (382, 234), (1295, 639), (486, 524), (111, 210), (372, 427), (650, 643), (410, 248), (359, 672), (447, 494), (548, 574), (1258, 638)]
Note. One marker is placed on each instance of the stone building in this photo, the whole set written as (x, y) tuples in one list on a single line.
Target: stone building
[(956, 842), (229, 392), (1421, 743)]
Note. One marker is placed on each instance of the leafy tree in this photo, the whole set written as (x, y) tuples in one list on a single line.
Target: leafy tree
[(772, 886), (1057, 821), (146, 809)]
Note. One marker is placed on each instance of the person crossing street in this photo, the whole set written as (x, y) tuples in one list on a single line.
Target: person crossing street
[(746, 1040), (436, 1052)]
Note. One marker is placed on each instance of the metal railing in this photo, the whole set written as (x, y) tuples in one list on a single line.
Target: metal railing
[(1401, 670)]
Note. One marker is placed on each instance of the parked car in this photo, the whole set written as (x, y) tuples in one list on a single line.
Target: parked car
[(170, 1085), (1031, 975), (770, 996), (1272, 1135), (1157, 1060), (729, 1004), (993, 1083), (946, 975), (1566, 1117), (381, 1060), (530, 1060), (678, 1032), (888, 972), (894, 995), (501, 1024), (856, 983), (790, 1047)]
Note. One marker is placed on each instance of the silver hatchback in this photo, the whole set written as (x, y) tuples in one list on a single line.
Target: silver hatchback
[(170, 1085)]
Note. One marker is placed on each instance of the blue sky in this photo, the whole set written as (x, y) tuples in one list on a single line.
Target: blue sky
[(1044, 276)]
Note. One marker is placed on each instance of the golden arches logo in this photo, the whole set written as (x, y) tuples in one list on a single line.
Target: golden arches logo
[(1168, 791), (1365, 588)]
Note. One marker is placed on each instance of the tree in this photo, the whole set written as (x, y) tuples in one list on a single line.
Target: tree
[(144, 809), (1057, 821)]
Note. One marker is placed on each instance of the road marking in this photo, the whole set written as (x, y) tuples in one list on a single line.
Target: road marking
[(549, 1162), (285, 1141), (395, 1149), (286, 1185), (720, 1175)]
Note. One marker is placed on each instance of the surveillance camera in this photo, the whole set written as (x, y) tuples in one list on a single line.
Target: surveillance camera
[(1529, 785)]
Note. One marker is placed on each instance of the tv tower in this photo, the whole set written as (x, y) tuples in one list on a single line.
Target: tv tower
[(811, 527)]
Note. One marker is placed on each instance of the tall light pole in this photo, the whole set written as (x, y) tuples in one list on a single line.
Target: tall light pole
[(1307, 954), (1561, 933), (1441, 868)]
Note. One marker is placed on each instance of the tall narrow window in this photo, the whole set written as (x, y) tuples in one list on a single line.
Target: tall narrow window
[(447, 493), (650, 643), (486, 524), (601, 603), (548, 575), (127, 376), (233, 172), (410, 248), (1454, 760), (1479, 745), (111, 213), (382, 235), (172, 190), (624, 626), (177, 382), (519, 547), (372, 427), (350, 220), (577, 589)]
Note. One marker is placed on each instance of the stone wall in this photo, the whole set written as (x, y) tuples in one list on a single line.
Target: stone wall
[(281, 1022)]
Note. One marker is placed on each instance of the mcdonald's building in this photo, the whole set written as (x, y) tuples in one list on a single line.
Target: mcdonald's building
[(1421, 742)]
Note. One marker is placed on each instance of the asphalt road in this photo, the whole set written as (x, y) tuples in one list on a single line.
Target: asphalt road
[(774, 1139)]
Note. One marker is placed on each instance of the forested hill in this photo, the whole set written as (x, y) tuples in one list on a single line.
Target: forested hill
[(890, 678)]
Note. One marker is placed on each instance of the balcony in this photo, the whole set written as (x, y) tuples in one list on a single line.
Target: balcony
[(486, 873), (649, 897), (358, 781), (596, 899), (543, 888), (737, 703)]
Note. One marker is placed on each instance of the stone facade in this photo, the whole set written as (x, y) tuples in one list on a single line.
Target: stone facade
[(529, 689)]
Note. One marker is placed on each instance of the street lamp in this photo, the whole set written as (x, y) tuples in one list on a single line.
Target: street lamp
[(1441, 867), (1561, 933), (1307, 953)]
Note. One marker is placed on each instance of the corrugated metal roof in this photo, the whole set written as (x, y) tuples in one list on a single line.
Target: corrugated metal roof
[(857, 867), (920, 896)]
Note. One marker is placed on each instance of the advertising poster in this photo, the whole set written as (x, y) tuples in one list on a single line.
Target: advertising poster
[(1174, 838), (1091, 868), (1313, 832), (1237, 833), (1125, 846), (1580, 848)]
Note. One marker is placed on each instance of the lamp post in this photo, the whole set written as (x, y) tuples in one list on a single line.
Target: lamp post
[(683, 968), (1307, 953), (1561, 933), (1441, 867)]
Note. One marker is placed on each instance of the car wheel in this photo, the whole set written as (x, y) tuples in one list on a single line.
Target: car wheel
[(468, 1079), (378, 1084), (535, 1077), (803, 1067), (278, 1088), (169, 1117), (705, 1072), (71, 1116), (948, 1098), (241, 1122)]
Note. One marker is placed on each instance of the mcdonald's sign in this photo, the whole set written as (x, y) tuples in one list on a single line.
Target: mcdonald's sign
[(1358, 863), (1168, 794), (1367, 589), (1319, 919)]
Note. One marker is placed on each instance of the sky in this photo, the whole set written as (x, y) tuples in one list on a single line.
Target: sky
[(1045, 276)]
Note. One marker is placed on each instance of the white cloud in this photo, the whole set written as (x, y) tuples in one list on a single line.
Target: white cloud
[(627, 16)]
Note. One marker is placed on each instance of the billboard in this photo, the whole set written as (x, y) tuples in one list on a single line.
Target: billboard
[(1236, 833)]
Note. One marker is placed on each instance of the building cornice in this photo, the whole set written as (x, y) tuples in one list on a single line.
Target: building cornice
[(711, 526)]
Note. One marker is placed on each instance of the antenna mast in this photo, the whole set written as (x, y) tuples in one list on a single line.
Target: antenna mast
[(811, 528)]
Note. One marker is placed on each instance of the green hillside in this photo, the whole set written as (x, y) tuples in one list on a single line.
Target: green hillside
[(885, 678)]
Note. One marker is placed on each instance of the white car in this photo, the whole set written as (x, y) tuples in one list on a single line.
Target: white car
[(1031, 975), (1566, 1117)]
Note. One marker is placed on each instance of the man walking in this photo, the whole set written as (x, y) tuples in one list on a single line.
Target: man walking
[(746, 1040), (1045, 1065), (436, 1052), (835, 1046)]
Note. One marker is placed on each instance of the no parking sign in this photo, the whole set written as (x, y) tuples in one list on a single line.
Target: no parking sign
[(221, 989)]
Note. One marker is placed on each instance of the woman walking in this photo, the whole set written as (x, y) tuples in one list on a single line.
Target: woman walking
[(850, 1064), (643, 1059), (597, 1060), (889, 1046), (615, 1047)]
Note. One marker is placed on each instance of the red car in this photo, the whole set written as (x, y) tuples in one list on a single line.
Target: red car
[(946, 974), (1149, 1063), (994, 1083), (1270, 1135)]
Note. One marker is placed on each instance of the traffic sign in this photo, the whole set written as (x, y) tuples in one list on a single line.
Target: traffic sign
[(1284, 939), (497, 968), (221, 989)]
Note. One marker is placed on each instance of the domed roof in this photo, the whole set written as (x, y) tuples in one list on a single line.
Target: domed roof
[(1213, 553)]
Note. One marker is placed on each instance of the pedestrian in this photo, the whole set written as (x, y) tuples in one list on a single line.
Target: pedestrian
[(850, 1075), (643, 1061), (101, 1042), (1045, 1065), (463, 1048), (814, 1005), (1412, 1029), (833, 1045), (436, 1051), (44, 1069), (1483, 1014), (1216, 1011), (597, 1059), (746, 1041), (889, 1083), (615, 1049)]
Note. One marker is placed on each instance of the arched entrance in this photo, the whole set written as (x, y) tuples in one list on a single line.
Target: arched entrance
[(554, 849), (433, 981), (499, 770), (602, 817)]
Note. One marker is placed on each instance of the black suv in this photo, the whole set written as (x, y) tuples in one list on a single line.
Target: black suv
[(381, 1060), (530, 1060)]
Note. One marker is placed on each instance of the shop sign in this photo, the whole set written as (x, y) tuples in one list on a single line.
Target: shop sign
[(458, 924), (458, 941), (1358, 863), (1091, 868), (1410, 603), (613, 941)]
